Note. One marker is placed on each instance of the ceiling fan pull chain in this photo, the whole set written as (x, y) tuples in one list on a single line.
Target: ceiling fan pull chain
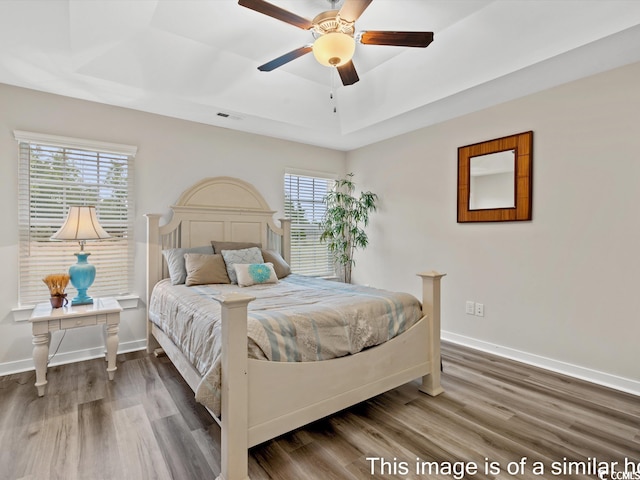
[(332, 96)]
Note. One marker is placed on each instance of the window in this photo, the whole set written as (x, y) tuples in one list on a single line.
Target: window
[(304, 205), (55, 173)]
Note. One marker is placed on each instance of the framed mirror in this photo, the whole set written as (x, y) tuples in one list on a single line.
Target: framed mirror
[(495, 180)]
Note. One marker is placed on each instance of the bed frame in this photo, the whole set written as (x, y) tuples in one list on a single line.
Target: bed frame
[(224, 208)]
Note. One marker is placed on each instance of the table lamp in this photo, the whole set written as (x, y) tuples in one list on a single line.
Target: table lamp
[(81, 225)]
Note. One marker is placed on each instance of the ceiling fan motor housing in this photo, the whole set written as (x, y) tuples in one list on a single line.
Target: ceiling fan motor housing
[(330, 21)]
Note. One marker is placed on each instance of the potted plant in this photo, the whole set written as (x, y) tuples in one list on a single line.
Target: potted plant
[(344, 221), (57, 282)]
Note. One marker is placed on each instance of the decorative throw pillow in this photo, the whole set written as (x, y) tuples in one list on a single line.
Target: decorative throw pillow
[(244, 255), (218, 246), (281, 267), (175, 261), (255, 273), (205, 269)]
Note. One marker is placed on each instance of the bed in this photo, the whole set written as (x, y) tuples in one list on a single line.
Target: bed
[(298, 392)]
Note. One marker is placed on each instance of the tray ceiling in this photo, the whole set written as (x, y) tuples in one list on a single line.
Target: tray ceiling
[(198, 59)]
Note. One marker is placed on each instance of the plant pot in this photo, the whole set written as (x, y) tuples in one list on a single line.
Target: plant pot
[(58, 301)]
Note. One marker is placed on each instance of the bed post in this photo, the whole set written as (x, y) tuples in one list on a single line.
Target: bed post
[(153, 268), (286, 239), (234, 388), (431, 309)]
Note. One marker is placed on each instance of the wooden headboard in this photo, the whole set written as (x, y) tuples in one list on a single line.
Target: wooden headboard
[(218, 208)]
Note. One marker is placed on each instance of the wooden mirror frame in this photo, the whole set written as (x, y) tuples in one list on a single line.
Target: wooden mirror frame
[(522, 144)]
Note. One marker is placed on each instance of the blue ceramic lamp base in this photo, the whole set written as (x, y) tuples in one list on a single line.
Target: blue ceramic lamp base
[(82, 276)]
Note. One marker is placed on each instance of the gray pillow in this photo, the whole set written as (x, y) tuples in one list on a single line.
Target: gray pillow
[(281, 267), (245, 255), (175, 261), (218, 246)]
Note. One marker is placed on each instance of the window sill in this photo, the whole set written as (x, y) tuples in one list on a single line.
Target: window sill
[(332, 278), (22, 314)]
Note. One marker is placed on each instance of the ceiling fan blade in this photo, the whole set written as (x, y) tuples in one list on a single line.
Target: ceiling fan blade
[(286, 58), (352, 9), (276, 12), (401, 39), (348, 73)]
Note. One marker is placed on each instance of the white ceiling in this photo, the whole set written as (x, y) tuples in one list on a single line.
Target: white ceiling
[(192, 59)]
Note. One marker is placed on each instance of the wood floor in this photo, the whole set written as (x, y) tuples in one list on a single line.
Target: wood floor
[(146, 425)]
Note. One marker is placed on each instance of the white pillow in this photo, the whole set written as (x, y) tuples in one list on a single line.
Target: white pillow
[(255, 273), (245, 255)]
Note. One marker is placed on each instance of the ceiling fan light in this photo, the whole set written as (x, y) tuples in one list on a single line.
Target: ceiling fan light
[(334, 49)]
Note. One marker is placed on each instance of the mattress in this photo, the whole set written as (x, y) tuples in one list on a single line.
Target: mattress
[(299, 319)]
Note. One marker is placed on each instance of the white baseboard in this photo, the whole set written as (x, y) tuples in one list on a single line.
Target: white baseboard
[(62, 358), (594, 376), (605, 379)]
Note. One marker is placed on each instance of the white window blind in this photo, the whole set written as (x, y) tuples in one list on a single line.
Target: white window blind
[(304, 205), (55, 173)]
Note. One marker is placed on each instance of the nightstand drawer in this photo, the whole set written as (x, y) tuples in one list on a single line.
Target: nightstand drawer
[(77, 322)]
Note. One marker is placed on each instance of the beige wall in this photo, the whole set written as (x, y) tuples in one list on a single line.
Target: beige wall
[(560, 291), (172, 155)]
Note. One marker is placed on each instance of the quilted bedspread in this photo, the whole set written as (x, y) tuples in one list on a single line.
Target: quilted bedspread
[(299, 319)]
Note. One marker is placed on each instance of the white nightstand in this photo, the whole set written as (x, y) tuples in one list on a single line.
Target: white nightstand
[(44, 320)]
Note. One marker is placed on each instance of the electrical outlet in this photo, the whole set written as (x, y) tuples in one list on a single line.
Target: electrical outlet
[(480, 309), (470, 308)]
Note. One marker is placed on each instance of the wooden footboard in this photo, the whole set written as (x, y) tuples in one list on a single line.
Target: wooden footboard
[(261, 400), (287, 395)]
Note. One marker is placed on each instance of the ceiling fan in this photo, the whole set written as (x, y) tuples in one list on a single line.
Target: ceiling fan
[(335, 36)]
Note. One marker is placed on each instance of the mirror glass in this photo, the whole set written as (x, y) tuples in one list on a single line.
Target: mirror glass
[(492, 180)]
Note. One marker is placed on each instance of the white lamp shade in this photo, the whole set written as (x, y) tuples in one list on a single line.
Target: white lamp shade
[(81, 224), (334, 49)]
